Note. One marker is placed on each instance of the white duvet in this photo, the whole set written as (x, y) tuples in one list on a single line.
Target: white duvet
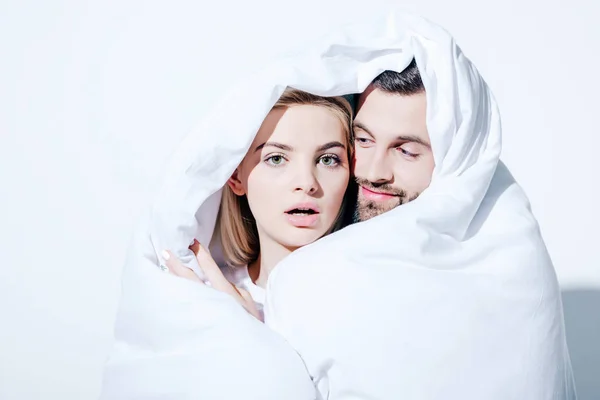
[(452, 296)]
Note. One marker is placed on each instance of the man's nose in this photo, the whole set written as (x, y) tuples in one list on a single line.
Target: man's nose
[(306, 181), (379, 170)]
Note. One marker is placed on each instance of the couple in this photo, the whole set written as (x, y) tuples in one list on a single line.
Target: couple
[(292, 187), (451, 296)]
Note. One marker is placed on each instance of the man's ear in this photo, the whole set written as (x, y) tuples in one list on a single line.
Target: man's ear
[(235, 184)]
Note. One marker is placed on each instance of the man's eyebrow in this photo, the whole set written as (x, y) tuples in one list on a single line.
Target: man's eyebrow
[(331, 145), (414, 139), (361, 126), (273, 144), (403, 138)]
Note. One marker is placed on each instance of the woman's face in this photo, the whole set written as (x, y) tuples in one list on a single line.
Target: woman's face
[(295, 174)]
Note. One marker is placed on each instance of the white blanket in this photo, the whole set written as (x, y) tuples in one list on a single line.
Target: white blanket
[(452, 296)]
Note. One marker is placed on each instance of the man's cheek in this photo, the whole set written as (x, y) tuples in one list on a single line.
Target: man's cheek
[(359, 162), (422, 178)]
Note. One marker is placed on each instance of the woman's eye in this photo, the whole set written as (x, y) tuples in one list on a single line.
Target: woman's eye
[(275, 160), (329, 161)]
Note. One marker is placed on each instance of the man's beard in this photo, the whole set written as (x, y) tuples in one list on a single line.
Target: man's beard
[(367, 209)]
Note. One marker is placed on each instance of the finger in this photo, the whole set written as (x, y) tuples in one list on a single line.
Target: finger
[(172, 262), (177, 268), (212, 271), (249, 303), (245, 294), (195, 246)]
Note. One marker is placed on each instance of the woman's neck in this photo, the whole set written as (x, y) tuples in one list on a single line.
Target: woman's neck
[(271, 253)]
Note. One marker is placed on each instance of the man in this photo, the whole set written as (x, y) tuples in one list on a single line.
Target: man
[(393, 157), (440, 300)]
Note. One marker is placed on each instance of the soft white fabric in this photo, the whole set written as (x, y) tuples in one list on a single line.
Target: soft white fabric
[(178, 340), (452, 296)]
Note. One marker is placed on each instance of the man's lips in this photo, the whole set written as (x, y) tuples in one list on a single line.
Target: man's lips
[(375, 196)]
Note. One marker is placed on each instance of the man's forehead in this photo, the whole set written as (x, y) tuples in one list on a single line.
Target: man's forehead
[(391, 114), (362, 96)]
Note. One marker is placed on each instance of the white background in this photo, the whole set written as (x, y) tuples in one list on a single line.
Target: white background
[(94, 96)]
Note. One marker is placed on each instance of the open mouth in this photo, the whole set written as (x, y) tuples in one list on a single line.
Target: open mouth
[(302, 211), (303, 215)]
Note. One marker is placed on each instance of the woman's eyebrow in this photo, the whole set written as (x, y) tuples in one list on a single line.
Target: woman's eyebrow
[(331, 145), (274, 144)]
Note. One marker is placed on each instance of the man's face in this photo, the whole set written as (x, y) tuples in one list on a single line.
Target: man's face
[(393, 159)]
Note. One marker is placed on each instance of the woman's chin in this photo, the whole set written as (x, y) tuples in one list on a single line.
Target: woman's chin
[(298, 237)]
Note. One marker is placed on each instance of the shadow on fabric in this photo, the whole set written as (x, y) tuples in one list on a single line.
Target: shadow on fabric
[(582, 320)]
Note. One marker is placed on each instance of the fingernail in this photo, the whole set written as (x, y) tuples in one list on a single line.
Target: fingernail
[(165, 254)]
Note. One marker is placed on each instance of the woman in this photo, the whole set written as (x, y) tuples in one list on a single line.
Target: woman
[(288, 191)]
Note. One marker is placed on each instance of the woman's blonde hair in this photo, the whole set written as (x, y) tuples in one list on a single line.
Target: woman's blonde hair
[(235, 222)]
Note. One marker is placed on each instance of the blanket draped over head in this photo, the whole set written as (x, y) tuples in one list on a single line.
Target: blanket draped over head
[(451, 296)]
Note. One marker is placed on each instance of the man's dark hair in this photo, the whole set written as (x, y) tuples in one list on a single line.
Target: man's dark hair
[(404, 83)]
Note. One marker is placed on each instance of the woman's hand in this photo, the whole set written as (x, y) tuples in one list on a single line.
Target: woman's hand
[(213, 275)]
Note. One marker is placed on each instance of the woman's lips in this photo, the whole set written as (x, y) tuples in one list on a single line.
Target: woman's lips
[(303, 215), (375, 196), (303, 220)]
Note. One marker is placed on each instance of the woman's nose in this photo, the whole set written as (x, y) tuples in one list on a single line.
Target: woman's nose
[(306, 181)]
